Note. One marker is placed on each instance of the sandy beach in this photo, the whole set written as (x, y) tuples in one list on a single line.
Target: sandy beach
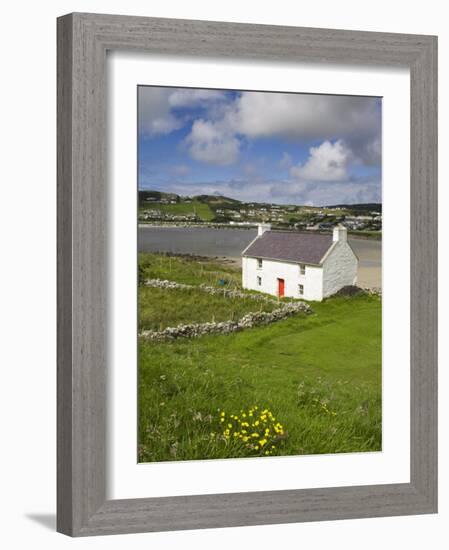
[(369, 253)]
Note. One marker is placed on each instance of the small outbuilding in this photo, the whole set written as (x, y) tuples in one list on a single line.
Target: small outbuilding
[(311, 266)]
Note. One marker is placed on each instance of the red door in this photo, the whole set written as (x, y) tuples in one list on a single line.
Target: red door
[(281, 287)]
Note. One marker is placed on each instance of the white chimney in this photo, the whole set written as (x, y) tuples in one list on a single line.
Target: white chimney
[(340, 233), (262, 227)]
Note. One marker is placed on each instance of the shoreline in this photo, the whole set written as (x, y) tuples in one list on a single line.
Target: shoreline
[(226, 246), (353, 235), (368, 277)]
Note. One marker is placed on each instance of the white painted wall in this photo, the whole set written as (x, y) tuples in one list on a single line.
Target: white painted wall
[(339, 268), (273, 270)]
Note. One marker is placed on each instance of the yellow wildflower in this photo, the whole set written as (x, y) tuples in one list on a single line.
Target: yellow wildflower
[(266, 430)]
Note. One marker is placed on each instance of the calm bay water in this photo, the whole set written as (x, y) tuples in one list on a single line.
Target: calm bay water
[(203, 241)]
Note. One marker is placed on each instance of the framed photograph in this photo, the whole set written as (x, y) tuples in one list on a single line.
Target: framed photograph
[(247, 274)]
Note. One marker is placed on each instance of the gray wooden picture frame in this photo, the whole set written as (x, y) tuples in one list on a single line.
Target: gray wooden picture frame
[(83, 40)]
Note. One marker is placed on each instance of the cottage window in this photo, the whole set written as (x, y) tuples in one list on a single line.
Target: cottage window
[(259, 263), (301, 290), (302, 269), (259, 281)]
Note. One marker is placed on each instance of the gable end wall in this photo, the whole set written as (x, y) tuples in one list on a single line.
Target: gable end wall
[(339, 269)]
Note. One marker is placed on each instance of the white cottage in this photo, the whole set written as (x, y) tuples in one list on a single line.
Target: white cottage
[(311, 266)]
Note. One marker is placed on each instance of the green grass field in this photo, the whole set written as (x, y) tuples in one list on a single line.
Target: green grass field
[(188, 270), (162, 308), (201, 209), (318, 376)]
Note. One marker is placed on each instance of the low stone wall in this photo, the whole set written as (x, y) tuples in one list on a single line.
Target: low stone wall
[(227, 293), (353, 290), (250, 320)]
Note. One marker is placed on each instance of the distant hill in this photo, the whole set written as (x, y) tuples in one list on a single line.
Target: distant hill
[(374, 206), (147, 196), (220, 200), (209, 199), (216, 199)]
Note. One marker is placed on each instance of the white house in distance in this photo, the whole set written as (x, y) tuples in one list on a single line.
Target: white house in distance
[(311, 266)]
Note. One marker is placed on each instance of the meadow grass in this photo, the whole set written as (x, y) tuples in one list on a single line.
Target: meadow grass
[(161, 308), (319, 376), (189, 270)]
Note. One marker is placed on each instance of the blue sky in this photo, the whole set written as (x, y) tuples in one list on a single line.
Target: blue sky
[(260, 146)]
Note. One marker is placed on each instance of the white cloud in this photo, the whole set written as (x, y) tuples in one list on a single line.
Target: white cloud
[(212, 143), (155, 116), (216, 136), (156, 104), (188, 98), (353, 120), (328, 162), (368, 152), (328, 193), (304, 116), (287, 192)]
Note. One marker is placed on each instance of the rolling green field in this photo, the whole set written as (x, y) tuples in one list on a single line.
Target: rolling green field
[(304, 385), (161, 308), (188, 270), (201, 209)]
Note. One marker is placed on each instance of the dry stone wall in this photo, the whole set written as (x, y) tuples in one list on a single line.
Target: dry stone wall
[(250, 320), (227, 293)]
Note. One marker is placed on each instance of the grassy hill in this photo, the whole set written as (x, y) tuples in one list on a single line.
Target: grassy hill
[(158, 195), (157, 206), (217, 200), (317, 375), (201, 209)]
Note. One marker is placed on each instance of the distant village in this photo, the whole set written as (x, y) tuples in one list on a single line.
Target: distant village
[(168, 208)]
